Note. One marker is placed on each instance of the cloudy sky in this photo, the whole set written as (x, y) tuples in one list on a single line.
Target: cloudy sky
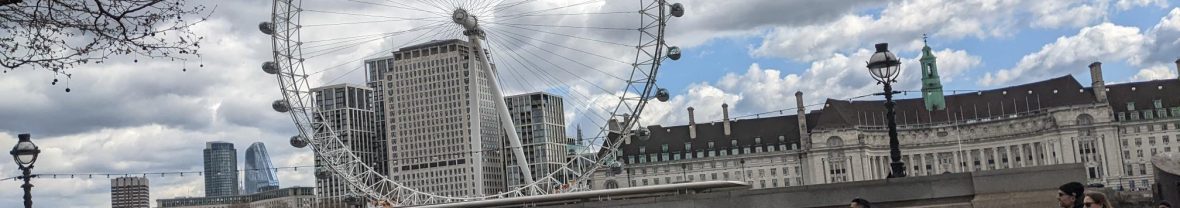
[(124, 116)]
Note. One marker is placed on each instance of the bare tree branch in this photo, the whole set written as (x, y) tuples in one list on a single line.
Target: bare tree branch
[(57, 35)]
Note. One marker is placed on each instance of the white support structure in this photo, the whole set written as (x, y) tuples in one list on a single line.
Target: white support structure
[(475, 35)]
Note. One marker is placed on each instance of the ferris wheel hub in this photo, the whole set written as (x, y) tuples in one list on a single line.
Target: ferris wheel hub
[(465, 19)]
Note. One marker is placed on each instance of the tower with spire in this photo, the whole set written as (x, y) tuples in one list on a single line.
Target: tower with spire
[(931, 84)]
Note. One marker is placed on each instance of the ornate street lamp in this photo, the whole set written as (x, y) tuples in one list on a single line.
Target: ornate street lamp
[(25, 154), (884, 66)]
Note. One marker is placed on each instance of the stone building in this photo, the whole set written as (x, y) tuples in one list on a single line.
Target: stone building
[(1112, 130)]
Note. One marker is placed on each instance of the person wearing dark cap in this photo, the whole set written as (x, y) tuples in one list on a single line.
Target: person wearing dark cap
[(1071, 195), (860, 203), (1163, 204)]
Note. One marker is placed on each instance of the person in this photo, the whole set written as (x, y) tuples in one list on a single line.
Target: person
[(1096, 200), (1164, 204), (1070, 195), (860, 203)]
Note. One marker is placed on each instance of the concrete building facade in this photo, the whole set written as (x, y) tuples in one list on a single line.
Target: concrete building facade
[(221, 169), (1112, 130), (130, 192), (377, 69), (540, 120), (293, 197), (346, 108), (443, 127)]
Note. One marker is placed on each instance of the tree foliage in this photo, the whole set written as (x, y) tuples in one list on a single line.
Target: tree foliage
[(57, 35)]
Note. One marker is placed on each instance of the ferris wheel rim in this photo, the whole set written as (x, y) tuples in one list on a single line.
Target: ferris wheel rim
[(292, 78)]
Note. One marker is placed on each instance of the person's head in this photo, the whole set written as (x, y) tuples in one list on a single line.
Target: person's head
[(1096, 200), (1071, 194), (860, 203), (1164, 204)]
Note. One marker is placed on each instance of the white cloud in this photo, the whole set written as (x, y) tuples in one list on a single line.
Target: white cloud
[(1103, 42), (1128, 4), (1158, 71), (760, 89), (904, 22)]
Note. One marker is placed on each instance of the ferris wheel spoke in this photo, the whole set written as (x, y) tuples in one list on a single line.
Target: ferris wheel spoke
[(564, 14), (376, 21), (325, 51), (361, 38), (551, 81), (429, 3), (564, 26), (436, 18), (525, 43), (569, 36), (567, 71), (502, 6), (566, 47), (371, 55), (397, 6), (554, 8)]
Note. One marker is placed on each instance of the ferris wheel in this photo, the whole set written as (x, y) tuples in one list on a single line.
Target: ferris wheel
[(600, 56)]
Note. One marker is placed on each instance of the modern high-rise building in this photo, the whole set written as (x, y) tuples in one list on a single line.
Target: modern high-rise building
[(221, 169), (377, 68), (346, 108), (260, 173), (442, 121), (539, 119), (129, 192)]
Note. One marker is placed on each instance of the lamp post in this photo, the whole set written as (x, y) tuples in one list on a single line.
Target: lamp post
[(884, 66), (25, 154)]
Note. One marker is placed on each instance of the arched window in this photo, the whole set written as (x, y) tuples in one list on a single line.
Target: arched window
[(611, 184), (835, 141), (1085, 120)]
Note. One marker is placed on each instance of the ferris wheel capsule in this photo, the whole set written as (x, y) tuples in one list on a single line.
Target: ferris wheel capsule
[(267, 28), (674, 53), (677, 10), (662, 95), (281, 106), (322, 173), (270, 68), (298, 142)]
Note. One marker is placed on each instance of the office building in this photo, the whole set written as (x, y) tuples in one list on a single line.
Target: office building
[(260, 173), (221, 169), (442, 121), (539, 119), (346, 109), (377, 68), (130, 192)]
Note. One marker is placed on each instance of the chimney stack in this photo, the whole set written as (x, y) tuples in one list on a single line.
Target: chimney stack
[(1177, 68), (725, 114), (804, 137), (1098, 85), (692, 125)]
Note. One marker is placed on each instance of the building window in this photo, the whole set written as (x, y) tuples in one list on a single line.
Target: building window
[(1158, 103), (1131, 106)]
